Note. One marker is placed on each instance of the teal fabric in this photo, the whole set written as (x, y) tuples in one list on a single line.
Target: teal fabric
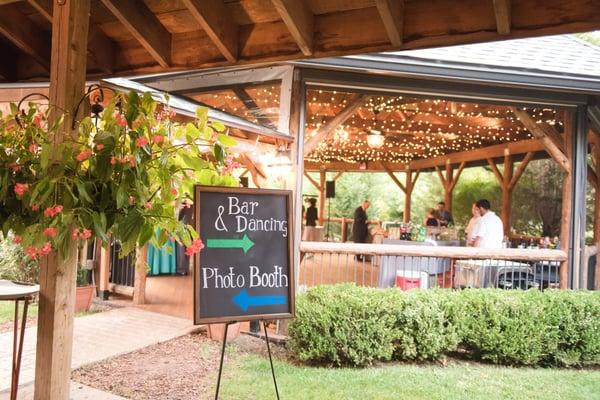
[(162, 261)]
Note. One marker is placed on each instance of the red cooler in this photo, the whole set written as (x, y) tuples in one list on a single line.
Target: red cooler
[(406, 280)]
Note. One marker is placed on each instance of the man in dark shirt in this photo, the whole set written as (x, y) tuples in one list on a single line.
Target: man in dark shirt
[(443, 215), (311, 216), (360, 228)]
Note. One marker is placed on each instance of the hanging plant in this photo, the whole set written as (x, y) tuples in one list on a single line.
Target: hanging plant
[(124, 175)]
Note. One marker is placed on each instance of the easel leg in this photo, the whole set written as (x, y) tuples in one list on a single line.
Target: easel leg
[(221, 363), (17, 348), (271, 359)]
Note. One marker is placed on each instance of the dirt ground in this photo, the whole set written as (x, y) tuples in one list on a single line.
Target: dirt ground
[(180, 369)]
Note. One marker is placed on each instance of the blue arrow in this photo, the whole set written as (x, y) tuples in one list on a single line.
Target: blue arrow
[(244, 301)]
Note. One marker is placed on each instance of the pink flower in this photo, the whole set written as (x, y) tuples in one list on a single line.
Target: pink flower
[(46, 249), (157, 139), (50, 232), (84, 155), (52, 212), (174, 191), (85, 234), (148, 205), (15, 167), (21, 188), (74, 234), (34, 148), (37, 120), (113, 160), (141, 141), (194, 248), (120, 120), (35, 207), (17, 239), (131, 159), (99, 146), (31, 252)]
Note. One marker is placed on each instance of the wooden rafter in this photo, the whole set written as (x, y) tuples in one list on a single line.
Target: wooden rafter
[(520, 169), (546, 135), (8, 70), (300, 22), (394, 178), (392, 16), (416, 176), (457, 175), (324, 132), (25, 35), (218, 23), (502, 13), (336, 177), (252, 107), (495, 170), (313, 181), (440, 175), (145, 27), (101, 49)]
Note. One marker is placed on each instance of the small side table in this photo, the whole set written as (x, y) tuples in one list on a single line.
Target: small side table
[(17, 292)]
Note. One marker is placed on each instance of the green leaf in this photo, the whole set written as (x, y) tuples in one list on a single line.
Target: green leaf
[(202, 114), (45, 155), (99, 220), (226, 140), (132, 111), (196, 163), (121, 196), (219, 153), (218, 126), (145, 234), (83, 194)]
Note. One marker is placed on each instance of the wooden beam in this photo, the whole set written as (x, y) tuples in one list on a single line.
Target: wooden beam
[(396, 180), (567, 202), (336, 177), (313, 181), (541, 133), (592, 177), (322, 192), (520, 169), (139, 281), (22, 32), (323, 133), (392, 16), (300, 22), (145, 27), (502, 13), (101, 49), (218, 23), (252, 107), (457, 176), (70, 23), (9, 70), (440, 175), (495, 170)]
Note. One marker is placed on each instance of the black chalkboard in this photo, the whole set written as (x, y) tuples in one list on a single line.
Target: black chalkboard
[(245, 271)]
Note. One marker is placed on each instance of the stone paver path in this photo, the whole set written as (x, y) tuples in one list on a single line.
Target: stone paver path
[(78, 392), (96, 337)]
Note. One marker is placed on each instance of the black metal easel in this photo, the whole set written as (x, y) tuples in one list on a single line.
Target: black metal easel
[(223, 355)]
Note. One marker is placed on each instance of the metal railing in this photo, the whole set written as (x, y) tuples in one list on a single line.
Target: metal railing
[(410, 266)]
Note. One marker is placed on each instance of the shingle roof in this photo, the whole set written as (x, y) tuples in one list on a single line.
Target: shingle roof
[(563, 54)]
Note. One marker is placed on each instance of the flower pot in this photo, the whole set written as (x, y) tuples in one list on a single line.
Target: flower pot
[(83, 298), (217, 331)]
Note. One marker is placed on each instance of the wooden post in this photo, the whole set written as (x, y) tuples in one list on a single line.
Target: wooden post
[(104, 266), (409, 186), (344, 233), (567, 203), (70, 21), (506, 192), (141, 271), (322, 178), (449, 188), (596, 162)]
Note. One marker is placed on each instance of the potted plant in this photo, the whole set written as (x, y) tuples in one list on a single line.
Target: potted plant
[(121, 173), (84, 291)]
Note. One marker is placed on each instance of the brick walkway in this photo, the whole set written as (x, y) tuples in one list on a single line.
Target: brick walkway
[(96, 337)]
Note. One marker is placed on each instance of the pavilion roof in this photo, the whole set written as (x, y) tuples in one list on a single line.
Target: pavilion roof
[(151, 36)]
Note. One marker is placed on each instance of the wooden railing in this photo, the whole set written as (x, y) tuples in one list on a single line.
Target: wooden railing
[(383, 265)]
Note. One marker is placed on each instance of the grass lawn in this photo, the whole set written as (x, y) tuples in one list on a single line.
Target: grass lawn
[(249, 376), (7, 311)]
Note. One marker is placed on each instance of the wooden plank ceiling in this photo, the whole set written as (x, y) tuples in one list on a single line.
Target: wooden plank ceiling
[(142, 36)]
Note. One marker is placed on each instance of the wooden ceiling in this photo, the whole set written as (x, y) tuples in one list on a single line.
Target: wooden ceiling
[(143, 36)]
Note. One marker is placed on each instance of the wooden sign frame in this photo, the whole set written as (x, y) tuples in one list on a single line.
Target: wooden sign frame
[(288, 194)]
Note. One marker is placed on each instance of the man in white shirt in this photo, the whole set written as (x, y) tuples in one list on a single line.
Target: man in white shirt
[(489, 231)]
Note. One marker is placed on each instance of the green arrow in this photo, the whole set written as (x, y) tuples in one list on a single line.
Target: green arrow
[(244, 243)]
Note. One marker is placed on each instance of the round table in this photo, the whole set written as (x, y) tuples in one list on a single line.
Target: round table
[(17, 292)]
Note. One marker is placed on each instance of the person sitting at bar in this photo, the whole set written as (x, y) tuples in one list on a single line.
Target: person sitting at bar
[(312, 215), (360, 228), (430, 219), (470, 229), (444, 216), (489, 230)]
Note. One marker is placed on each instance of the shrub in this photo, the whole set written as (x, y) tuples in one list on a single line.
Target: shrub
[(14, 266), (349, 325)]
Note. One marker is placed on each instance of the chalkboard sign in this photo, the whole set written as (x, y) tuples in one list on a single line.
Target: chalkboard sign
[(245, 271)]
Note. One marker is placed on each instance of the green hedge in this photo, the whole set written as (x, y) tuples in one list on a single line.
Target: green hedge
[(350, 325)]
